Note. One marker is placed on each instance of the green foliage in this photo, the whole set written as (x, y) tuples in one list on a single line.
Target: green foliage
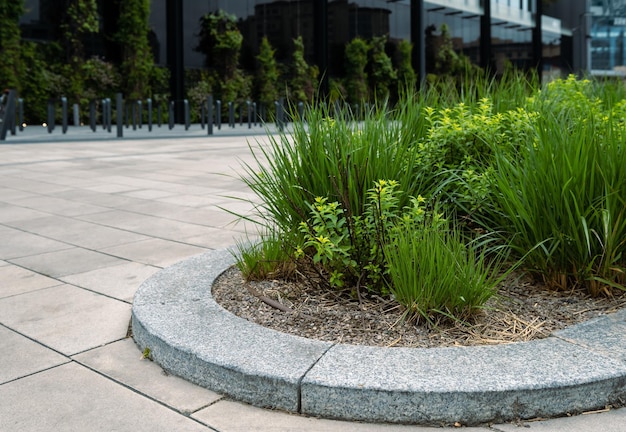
[(434, 273), (267, 74), (381, 72), (35, 84), (356, 81), (303, 82), (137, 61), (101, 79), (404, 67), (10, 64), (265, 259), (220, 41)]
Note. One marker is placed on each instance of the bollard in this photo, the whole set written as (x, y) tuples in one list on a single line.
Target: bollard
[(149, 107), (140, 110), (231, 115), (51, 115), (104, 114), (8, 122), (218, 113), (249, 114), (64, 114), (301, 110), (209, 115), (159, 115), (279, 124), (20, 113), (76, 113), (187, 119), (240, 114), (119, 107), (202, 114), (92, 115), (109, 115), (133, 113), (254, 112), (171, 115)]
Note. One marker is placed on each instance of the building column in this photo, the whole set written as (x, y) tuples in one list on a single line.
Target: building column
[(418, 57), (320, 25), (538, 40), (486, 55), (175, 56)]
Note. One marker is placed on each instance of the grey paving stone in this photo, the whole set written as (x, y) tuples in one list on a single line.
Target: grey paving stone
[(471, 385), (15, 244), (17, 280), (226, 416), (66, 318), (67, 262), (612, 421), (193, 337), (77, 232), (10, 212), (119, 281), (58, 206), (148, 194), (70, 398), (605, 335), (155, 252), (124, 362), (20, 356), (219, 239)]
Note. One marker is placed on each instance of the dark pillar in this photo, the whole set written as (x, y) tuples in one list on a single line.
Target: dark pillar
[(320, 21), (486, 56), (175, 59), (418, 38), (538, 40)]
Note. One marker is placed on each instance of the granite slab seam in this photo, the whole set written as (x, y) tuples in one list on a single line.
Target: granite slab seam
[(186, 332)]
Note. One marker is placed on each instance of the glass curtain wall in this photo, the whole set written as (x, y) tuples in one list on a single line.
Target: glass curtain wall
[(608, 33)]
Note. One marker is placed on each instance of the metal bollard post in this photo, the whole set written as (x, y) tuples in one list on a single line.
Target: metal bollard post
[(171, 115), (187, 119), (202, 114), (209, 115), (240, 114), (231, 114), (20, 113), (249, 114), (119, 107), (104, 114), (92, 115), (64, 114), (279, 124), (218, 113), (149, 106), (133, 113), (159, 115), (301, 110), (140, 110), (109, 115), (254, 112), (51, 115), (76, 115)]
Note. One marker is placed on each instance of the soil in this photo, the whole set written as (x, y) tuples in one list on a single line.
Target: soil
[(521, 311)]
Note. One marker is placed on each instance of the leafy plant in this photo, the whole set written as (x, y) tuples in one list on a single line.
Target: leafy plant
[(267, 75), (381, 72), (10, 36), (356, 81), (303, 82)]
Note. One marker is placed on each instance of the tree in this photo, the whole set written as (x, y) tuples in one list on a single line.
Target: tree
[(404, 68), (356, 76), (137, 60), (10, 36), (382, 74), (220, 42), (303, 77), (267, 74)]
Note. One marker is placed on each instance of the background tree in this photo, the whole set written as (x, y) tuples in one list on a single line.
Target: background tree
[(303, 82), (81, 19), (137, 68), (404, 67), (267, 74), (220, 41), (356, 84), (10, 36), (382, 74)]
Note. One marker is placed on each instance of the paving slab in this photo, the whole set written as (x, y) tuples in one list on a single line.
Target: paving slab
[(230, 416), (17, 280), (58, 206), (191, 336), (67, 262), (71, 398), (9, 212), (20, 356), (15, 244), (156, 252), (118, 281), (66, 318), (611, 421), (124, 362), (77, 232)]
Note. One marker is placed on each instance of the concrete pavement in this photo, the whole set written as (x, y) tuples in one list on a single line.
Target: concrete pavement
[(82, 224)]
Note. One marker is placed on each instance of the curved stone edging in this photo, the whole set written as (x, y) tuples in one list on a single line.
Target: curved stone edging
[(188, 334)]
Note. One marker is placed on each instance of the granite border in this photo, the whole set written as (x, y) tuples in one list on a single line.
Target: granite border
[(190, 335)]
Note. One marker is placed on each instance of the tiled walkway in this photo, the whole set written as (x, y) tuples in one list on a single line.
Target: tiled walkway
[(82, 224)]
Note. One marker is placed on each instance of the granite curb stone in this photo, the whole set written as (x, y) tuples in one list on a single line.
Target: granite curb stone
[(190, 335)]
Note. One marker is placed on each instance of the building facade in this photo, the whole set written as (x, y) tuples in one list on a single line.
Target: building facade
[(555, 36)]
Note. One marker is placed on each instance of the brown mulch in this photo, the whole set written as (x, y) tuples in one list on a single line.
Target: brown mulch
[(522, 311)]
